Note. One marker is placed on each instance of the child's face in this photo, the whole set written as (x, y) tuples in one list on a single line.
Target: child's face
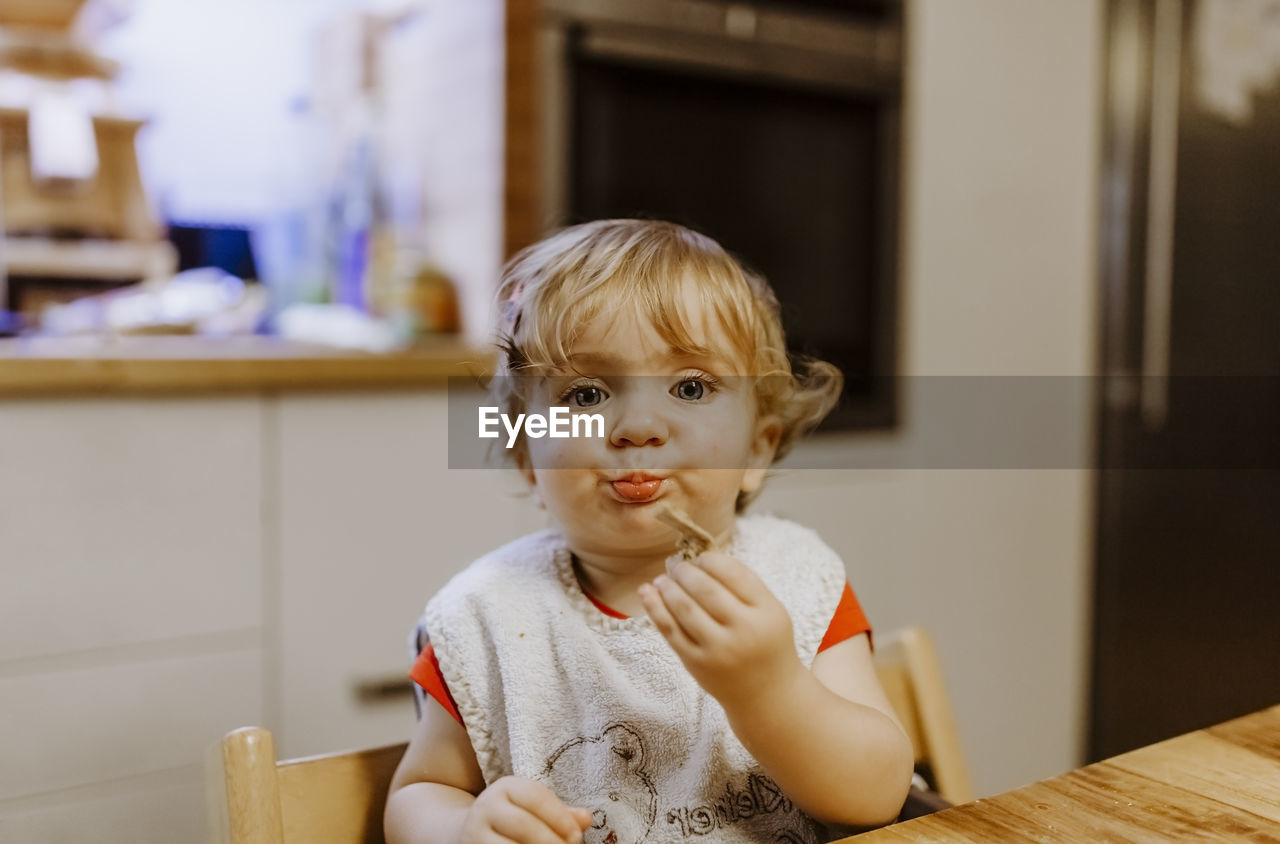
[(679, 428)]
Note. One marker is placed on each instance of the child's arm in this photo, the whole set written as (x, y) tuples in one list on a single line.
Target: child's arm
[(438, 795), (827, 735)]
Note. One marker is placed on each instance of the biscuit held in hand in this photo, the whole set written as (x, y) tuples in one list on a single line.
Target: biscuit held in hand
[(693, 539)]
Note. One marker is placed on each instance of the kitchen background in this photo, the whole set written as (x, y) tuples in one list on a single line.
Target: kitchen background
[(177, 566)]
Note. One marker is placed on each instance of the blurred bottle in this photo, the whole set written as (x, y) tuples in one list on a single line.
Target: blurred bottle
[(357, 207), (289, 245), (433, 300), (363, 236)]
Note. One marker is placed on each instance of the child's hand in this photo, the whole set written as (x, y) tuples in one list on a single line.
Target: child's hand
[(523, 811), (732, 634)]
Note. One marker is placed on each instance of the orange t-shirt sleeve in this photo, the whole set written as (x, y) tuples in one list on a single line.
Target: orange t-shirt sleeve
[(849, 621), (426, 673)]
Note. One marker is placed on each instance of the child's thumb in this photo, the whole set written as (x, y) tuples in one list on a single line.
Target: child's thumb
[(582, 816)]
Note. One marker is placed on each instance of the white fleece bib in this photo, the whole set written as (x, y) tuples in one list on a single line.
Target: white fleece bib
[(601, 710)]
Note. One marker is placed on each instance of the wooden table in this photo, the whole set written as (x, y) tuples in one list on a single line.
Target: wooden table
[(1221, 783)]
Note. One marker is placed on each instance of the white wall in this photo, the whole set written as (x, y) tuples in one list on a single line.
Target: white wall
[(1001, 180), (218, 81), (222, 84)]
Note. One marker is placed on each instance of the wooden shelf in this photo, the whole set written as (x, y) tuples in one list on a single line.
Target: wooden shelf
[(189, 365), (50, 14), (52, 55), (111, 260), (113, 205)]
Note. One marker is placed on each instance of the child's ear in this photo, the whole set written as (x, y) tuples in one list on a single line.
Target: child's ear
[(526, 472), (763, 446)]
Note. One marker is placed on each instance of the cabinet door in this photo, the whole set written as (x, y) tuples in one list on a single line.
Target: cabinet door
[(127, 521), (130, 610), (371, 522)]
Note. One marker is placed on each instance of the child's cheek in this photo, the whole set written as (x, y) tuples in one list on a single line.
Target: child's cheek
[(727, 443), (566, 452)]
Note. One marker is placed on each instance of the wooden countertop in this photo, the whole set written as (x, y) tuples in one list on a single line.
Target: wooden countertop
[(189, 365), (1221, 783)]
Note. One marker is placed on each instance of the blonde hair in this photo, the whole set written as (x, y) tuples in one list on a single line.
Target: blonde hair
[(552, 290)]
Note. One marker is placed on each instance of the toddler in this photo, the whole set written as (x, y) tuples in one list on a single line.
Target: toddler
[(586, 684)]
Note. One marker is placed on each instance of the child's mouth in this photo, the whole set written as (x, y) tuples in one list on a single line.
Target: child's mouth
[(637, 488)]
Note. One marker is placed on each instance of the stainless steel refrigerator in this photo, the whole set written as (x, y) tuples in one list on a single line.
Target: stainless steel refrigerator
[(1187, 580)]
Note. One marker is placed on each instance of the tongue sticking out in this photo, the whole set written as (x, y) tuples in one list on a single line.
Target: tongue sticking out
[(637, 490)]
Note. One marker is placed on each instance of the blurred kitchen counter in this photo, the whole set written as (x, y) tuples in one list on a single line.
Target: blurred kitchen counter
[(133, 365)]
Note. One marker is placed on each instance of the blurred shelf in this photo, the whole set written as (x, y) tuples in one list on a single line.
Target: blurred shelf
[(38, 366), (51, 14), (112, 260), (52, 56), (112, 206)]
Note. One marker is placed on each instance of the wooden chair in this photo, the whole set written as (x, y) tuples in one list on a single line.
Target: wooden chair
[(907, 666), (338, 798)]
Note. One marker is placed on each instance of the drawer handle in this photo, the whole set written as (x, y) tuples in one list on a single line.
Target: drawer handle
[(382, 689)]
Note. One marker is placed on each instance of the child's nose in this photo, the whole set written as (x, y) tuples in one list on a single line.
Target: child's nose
[(638, 423)]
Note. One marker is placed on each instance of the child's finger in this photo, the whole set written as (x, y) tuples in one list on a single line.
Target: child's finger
[(582, 816), (712, 595), (696, 623), (663, 620), (541, 805), (734, 575), (514, 822)]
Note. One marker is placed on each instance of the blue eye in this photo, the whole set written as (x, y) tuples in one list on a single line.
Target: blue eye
[(690, 389), (587, 396), (583, 392)]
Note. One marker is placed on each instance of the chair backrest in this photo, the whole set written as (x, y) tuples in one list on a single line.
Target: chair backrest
[(907, 666), (336, 798)]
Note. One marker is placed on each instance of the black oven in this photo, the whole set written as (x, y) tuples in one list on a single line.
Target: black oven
[(772, 126)]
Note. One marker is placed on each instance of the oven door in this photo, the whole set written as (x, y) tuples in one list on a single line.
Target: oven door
[(772, 130)]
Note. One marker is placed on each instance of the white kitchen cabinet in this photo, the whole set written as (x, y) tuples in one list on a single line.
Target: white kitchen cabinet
[(371, 523), (131, 609), (177, 567), (127, 520)]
